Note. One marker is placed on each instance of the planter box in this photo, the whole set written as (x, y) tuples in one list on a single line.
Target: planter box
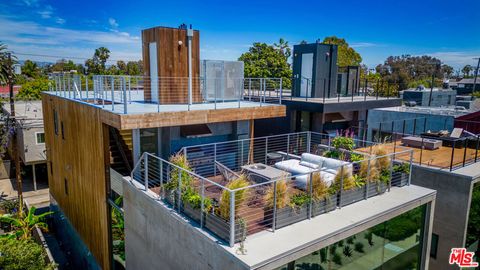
[(327, 205), (375, 189), (351, 196), (192, 213), (288, 215), (221, 227)]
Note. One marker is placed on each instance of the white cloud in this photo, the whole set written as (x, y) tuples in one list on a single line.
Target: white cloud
[(30, 3), (455, 58), (35, 38), (60, 20), (46, 12), (113, 23), (363, 45)]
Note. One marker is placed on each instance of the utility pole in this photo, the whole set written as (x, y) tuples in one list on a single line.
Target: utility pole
[(13, 123), (476, 74)]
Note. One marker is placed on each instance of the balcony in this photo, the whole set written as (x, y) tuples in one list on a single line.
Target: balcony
[(237, 189)]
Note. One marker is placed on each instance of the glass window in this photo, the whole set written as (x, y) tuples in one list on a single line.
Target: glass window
[(473, 229), (149, 140), (434, 247), (40, 136), (394, 244)]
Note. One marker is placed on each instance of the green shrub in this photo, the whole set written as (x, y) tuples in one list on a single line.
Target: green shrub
[(337, 258), (31, 89), (240, 196), (298, 200), (347, 251), (9, 206), (22, 255), (195, 200), (187, 179), (359, 247), (402, 168)]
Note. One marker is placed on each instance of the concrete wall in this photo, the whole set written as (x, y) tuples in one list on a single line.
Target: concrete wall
[(158, 238), (451, 209)]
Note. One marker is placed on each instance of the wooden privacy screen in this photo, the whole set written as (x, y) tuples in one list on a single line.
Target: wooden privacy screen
[(172, 64)]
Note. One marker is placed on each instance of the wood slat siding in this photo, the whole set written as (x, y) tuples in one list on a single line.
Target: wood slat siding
[(79, 158), (172, 61)]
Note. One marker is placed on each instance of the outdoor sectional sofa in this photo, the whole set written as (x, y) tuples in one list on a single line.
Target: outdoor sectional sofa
[(301, 168)]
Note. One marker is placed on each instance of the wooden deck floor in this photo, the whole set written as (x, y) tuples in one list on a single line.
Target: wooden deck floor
[(440, 157)]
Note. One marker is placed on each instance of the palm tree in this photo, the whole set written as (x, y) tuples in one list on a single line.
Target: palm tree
[(284, 48), (466, 70), (4, 64), (24, 225)]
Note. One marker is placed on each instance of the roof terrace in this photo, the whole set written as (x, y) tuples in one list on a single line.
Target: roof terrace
[(137, 101), (238, 189)]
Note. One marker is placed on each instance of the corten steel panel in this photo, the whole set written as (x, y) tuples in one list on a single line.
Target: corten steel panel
[(77, 172), (172, 63)]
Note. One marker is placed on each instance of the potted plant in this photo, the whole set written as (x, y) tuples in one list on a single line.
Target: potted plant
[(382, 166), (192, 205), (218, 221), (297, 210), (324, 199), (402, 169)]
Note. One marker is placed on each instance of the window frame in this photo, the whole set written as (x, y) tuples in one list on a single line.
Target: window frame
[(36, 138)]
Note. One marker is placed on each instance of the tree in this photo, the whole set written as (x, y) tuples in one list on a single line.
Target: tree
[(122, 67), (267, 61), (4, 65), (96, 65), (30, 69), (31, 89), (408, 71), (466, 70), (447, 70), (284, 48), (65, 66), (347, 56), (135, 68)]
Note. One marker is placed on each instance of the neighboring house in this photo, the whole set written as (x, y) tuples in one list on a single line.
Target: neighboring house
[(95, 136), (31, 140), (421, 96), (324, 98), (465, 86)]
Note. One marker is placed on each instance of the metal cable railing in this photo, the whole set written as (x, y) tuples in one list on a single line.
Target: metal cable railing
[(246, 201)]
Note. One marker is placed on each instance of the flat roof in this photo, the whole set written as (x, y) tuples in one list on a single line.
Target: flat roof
[(270, 250), (27, 109), (445, 111)]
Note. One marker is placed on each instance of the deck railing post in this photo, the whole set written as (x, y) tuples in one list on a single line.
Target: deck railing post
[(411, 168), (179, 190), (124, 91), (310, 195), (288, 145), (453, 154), (241, 153), (129, 89), (309, 141), (266, 150), (146, 172), (476, 148), (112, 81), (214, 159), (202, 206), (391, 174), (367, 181), (274, 213), (232, 218), (161, 179), (464, 152), (341, 186), (281, 91)]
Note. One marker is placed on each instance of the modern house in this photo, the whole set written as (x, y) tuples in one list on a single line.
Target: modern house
[(435, 97), (277, 202), (465, 86), (446, 158), (97, 128), (324, 97), (31, 149)]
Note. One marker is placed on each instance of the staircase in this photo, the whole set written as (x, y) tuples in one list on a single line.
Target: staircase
[(121, 149)]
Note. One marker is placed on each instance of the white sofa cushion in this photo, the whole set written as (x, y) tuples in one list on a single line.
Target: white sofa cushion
[(293, 166), (309, 164), (311, 158)]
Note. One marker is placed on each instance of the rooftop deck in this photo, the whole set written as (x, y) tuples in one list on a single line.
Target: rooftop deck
[(238, 189), (127, 104)]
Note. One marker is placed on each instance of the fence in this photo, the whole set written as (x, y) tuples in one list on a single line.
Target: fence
[(216, 186)]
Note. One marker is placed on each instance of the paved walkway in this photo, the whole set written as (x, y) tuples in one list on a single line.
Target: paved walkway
[(39, 198)]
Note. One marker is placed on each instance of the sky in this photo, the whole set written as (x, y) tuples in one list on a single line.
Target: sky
[(448, 30)]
